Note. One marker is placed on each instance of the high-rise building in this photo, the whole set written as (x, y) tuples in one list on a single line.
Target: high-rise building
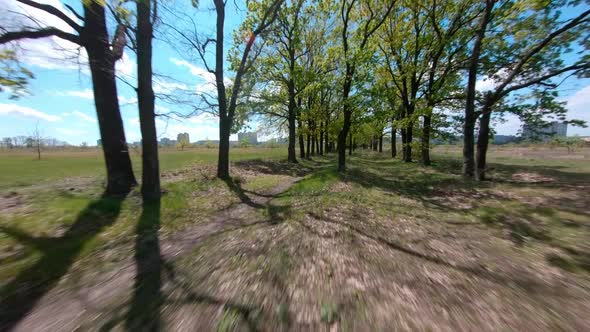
[(183, 137), (546, 132), (249, 138)]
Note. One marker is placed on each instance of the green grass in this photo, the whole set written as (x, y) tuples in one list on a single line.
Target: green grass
[(21, 169), (62, 232)]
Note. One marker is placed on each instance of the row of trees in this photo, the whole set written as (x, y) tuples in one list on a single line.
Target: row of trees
[(355, 70), (333, 73)]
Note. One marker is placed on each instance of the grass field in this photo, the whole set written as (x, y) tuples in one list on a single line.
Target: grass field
[(387, 246), (20, 169)]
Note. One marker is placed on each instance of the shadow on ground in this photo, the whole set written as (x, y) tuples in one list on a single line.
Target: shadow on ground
[(57, 255)]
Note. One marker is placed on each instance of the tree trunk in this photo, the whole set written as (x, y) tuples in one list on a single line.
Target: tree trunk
[(308, 151), (321, 142), (292, 156), (470, 116), (223, 157), (426, 140), (120, 178), (408, 145), (483, 138), (403, 134), (468, 142), (326, 136), (313, 144), (342, 139), (393, 143), (343, 134), (301, 138), (150, 177), (381, 143), (350, 144)]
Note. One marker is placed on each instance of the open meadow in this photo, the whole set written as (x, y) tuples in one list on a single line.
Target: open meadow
[(386, 246)]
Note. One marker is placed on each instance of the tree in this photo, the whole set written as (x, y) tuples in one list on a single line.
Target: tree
[(227, 109), (279, 65), (524, 51), (102, 55), (357, 28), (183, 142), (37, 140), (150, 176)]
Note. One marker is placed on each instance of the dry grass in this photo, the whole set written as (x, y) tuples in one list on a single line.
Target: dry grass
[(388, 246)]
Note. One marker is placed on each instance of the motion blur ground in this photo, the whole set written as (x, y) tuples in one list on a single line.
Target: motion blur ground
[(386, 246)]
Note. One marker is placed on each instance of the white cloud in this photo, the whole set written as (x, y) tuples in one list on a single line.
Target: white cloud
[(166, 87), (126, 66), (84, 116), (485, 84), (209, 85), (123, 101), (51, 52), (578, 106), (27, 111), (195, 70), (86, 94)]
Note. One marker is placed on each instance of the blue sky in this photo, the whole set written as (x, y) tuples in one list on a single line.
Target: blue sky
[(62, 102)]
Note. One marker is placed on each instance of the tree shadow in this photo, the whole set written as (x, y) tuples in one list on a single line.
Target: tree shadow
[(21, 294), (144, 310), (250, 314), (273, 167), (276, 213), (524, 281), (236, 188)]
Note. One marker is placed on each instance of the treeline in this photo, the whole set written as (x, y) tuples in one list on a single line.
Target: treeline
[(17, 142), (333, 73)]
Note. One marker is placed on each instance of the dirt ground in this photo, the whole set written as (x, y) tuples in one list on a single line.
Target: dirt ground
[(382, 248)]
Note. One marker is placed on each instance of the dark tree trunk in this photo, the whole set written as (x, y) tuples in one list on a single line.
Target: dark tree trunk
[(468, 142), (313, 144), (317, 144), (350, 144), (120, 176), (342, 140), (403, 134), (321, 142), (343, 134), (326, 136), (375, 143), (308, 150), (483, 138), (150, 178), (408, 145), (381, 143), (301, 138), (292, 156), (224, 118), (393, 143), (223, 156), (426, 140), (470, 116)]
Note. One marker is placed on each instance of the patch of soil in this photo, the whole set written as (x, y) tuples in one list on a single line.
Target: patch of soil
[(11, 202), (528, 177)]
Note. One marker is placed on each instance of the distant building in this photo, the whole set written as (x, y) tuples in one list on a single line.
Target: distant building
[(504, 139), (544, 133), (165, 141), (183, 137), (249, 138)]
